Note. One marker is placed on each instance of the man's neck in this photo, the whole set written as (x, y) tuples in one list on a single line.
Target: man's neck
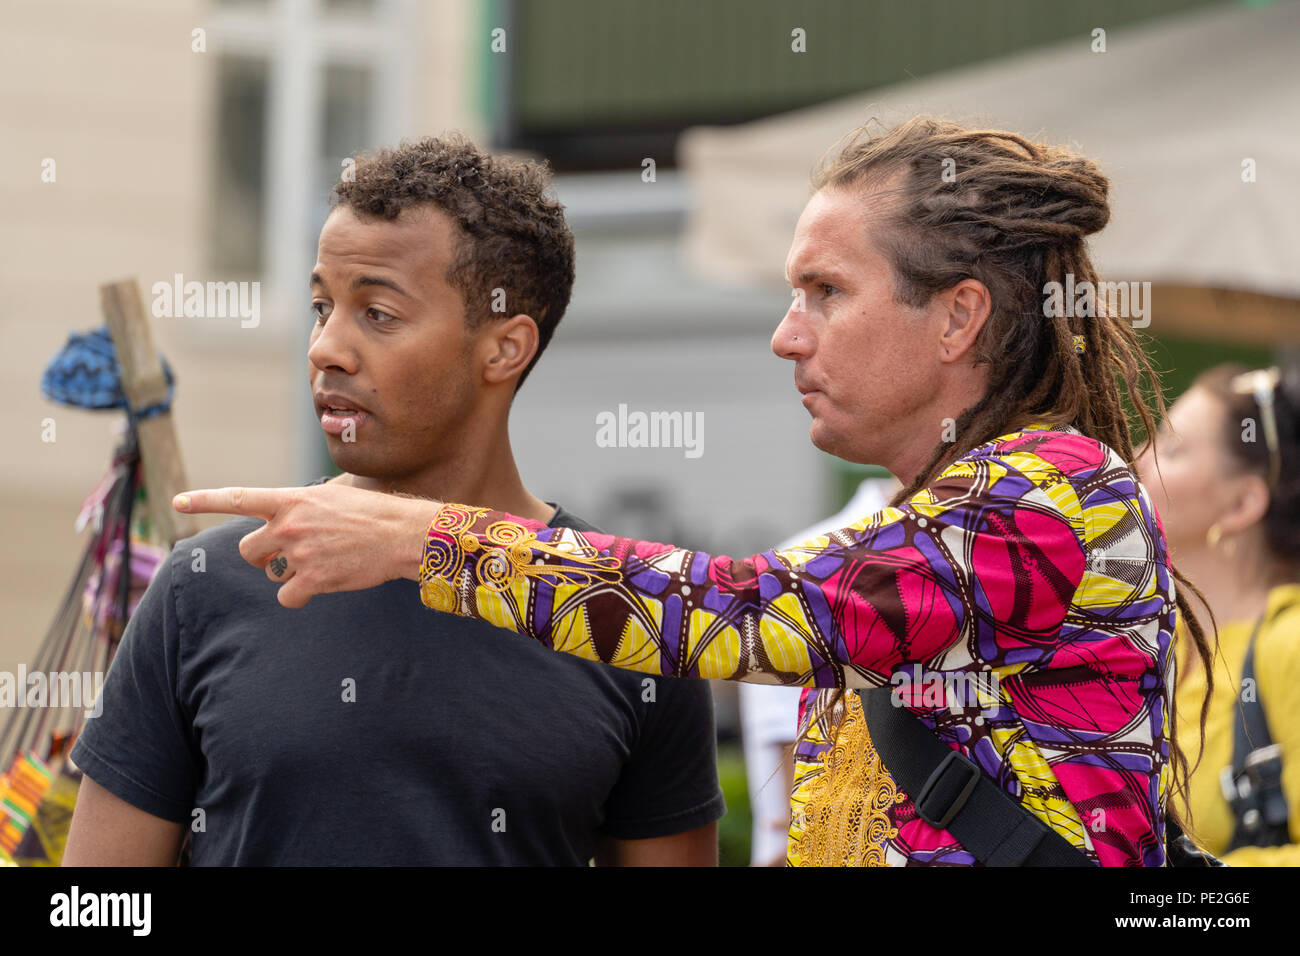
[(486, 482), (916, 444)]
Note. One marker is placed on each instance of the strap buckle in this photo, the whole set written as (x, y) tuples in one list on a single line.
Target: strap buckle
[(947, 789)]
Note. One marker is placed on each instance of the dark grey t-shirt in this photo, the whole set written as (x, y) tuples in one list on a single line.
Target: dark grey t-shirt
[(366, 729)]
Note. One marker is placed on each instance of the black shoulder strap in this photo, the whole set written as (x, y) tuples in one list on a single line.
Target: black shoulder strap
[(950, 792), (1251, 731), (1263, 817)]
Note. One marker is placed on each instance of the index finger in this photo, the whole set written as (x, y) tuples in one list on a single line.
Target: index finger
[(255, 502)]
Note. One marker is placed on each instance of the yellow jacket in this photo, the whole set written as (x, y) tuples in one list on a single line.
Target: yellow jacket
[(1277, 673)]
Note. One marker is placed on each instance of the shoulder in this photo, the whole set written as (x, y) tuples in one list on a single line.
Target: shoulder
[(1049, 456), (1086, 479), (1019, 472), (212, 557), (1284, 609), (1278, 646), (567, 519), (1277, 665), (1060, 448), (222, 539)]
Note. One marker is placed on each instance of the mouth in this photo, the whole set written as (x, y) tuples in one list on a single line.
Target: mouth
[(807, 394), (339, 416)]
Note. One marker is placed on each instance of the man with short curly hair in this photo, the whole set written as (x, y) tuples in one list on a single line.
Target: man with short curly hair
[(354, 734), (519, 243)]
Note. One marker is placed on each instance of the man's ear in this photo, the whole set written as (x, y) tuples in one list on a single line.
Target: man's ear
[(509, 346), (966, 307)]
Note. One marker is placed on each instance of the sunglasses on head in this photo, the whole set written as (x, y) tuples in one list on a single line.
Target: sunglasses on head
[(1262, 384)]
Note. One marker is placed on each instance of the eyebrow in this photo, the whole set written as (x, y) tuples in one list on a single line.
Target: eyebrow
[(809, 276), (363, 281)]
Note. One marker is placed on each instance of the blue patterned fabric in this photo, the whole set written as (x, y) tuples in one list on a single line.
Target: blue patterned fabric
[(86, 374)]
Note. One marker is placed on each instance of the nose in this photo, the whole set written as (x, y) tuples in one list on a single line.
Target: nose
[(792, 339), (330, 347)]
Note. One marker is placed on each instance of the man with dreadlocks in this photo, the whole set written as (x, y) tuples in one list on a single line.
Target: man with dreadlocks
[(1021, 551)]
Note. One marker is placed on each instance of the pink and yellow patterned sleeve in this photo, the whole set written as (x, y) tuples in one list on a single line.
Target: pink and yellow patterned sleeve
[(976, 571)]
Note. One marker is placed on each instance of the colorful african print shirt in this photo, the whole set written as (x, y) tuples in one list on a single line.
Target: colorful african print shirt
[(1021, 605)]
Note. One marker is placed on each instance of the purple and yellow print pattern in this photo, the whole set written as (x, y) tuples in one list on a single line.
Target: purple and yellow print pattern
[(1036, 558)]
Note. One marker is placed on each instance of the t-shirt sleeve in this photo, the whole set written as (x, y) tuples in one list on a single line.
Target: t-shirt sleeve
[(139, 746), (670, 783)]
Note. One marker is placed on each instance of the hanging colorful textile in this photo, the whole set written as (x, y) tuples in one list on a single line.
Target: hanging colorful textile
[(43, 710)]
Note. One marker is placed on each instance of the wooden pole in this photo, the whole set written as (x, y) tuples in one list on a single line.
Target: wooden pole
[(145, 386)]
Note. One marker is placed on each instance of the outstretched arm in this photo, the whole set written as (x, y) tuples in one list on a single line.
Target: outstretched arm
[(975, 571)]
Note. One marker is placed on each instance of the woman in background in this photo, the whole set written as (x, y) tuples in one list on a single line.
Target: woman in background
[(1228, 493)]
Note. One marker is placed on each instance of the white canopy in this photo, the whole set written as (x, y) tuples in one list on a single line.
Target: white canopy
[(1171, 111)]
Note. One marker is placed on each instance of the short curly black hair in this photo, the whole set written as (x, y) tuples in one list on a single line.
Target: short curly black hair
[(514, 240)]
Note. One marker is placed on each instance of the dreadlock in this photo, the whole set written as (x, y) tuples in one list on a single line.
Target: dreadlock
[(1013, 214)]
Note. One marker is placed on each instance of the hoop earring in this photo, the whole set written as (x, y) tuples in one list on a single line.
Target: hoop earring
[(1213, 536)]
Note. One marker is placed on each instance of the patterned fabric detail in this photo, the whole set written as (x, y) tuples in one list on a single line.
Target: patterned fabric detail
[(503, 554), (1031, 576), (843, 815), (86, 374)]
